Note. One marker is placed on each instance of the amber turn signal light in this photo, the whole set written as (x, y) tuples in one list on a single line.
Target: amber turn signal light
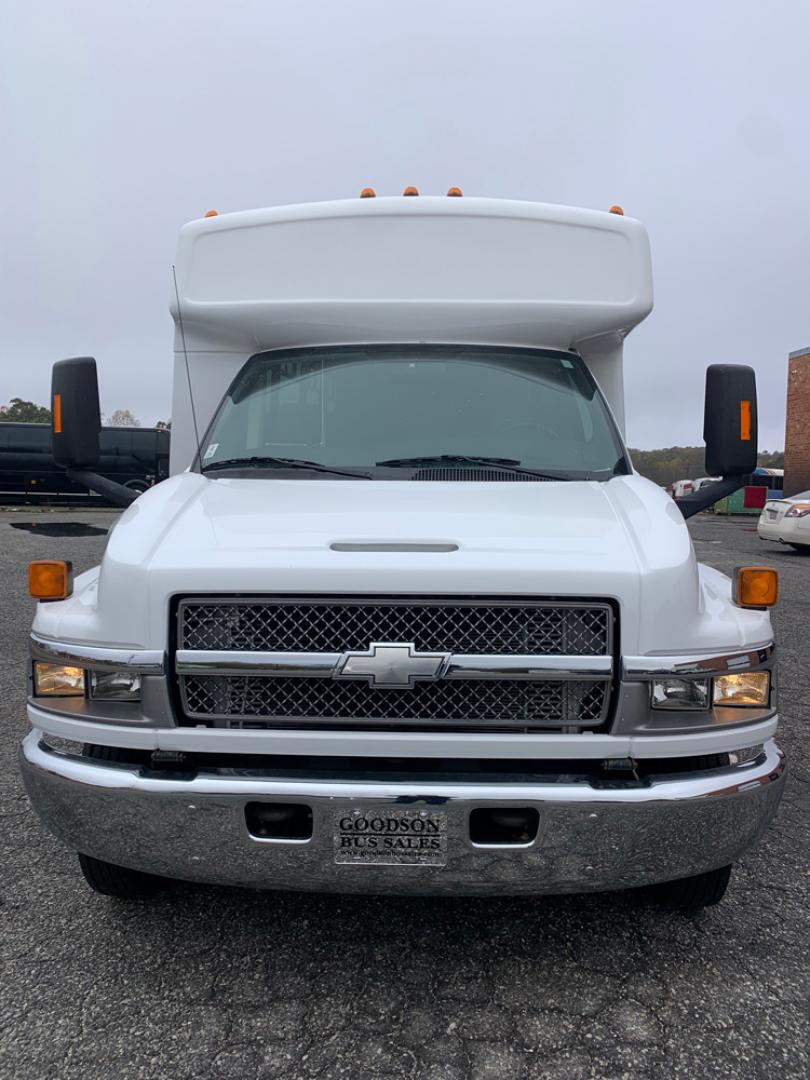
[(50, 580), (745, 421), (756, 586)]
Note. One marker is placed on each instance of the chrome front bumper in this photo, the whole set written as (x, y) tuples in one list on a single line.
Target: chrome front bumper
[(590, 838)]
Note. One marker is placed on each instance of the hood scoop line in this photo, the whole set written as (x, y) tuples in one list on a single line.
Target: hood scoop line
[(380, 546)]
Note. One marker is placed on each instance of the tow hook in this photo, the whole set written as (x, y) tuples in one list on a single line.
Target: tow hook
[(172, 759), (621, 768), (169, 765)]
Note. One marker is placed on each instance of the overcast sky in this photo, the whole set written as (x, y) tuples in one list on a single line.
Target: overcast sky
[(120, 121)]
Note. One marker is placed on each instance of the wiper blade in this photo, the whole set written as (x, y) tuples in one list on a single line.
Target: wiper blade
[(506, 464), (430, 459), (282, 463)]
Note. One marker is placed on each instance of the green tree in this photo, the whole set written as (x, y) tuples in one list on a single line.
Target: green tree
[(687, 463), (772, 459), (671, 463), (24, 412)]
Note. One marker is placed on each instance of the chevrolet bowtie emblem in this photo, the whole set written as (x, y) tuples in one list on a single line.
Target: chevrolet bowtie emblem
[(391, 665)]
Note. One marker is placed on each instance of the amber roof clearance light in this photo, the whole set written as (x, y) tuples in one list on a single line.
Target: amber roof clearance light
[(368, 193), (411, 190), (616, 209), (455, 192), (212, 213)]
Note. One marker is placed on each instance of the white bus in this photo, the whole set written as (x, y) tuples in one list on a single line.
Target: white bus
[(404, 618)]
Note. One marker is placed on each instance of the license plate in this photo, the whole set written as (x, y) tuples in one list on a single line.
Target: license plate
[(386, 837), (772, 514)]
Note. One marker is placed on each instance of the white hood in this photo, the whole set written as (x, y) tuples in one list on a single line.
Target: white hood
[(623, 540)]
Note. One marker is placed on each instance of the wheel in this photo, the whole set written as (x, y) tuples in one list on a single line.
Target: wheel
[(111, 880), (694, 893), (140, 486), (107, 878)]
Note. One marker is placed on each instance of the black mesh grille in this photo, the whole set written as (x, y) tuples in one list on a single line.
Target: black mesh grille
[(259, 701), (300, 626), (273, 624)]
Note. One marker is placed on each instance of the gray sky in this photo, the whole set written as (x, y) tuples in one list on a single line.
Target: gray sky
[(121, 121)]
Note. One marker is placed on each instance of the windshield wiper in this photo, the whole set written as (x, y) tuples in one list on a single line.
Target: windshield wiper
[(506, 464), (429, 459), (281, 463)]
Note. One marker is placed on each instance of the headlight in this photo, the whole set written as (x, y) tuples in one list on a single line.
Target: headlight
[(58, 680), (682, 694), (747, 688), (115, 686)]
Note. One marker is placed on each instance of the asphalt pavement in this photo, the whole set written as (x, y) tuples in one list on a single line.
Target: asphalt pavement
[(208, 983)]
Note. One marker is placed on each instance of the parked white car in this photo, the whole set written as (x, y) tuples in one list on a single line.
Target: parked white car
[(787, 521)]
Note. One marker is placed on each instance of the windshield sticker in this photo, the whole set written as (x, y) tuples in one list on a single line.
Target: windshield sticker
[(212, 449)]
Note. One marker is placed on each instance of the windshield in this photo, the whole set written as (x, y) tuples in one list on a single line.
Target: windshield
[(377, 409)]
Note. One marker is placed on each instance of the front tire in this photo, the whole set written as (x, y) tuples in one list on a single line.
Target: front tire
[(119, 881), (694, 893), (107, 878)]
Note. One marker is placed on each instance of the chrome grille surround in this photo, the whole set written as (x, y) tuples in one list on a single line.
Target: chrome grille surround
[(268, 662)]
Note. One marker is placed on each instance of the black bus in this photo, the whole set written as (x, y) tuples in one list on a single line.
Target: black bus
[(135, 457)]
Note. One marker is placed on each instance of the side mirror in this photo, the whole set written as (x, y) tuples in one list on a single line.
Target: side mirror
[(730, 420), (75, 414)]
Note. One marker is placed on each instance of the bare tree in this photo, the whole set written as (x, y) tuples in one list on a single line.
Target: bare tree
[(122, 418)]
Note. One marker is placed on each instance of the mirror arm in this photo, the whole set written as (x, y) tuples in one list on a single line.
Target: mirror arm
[(708, 495), (120, 495)]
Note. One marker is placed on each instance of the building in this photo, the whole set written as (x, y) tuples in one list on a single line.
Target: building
[(797, 425)]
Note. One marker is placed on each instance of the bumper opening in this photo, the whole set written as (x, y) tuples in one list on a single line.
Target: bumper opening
[(279, 820), (504, 826)]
